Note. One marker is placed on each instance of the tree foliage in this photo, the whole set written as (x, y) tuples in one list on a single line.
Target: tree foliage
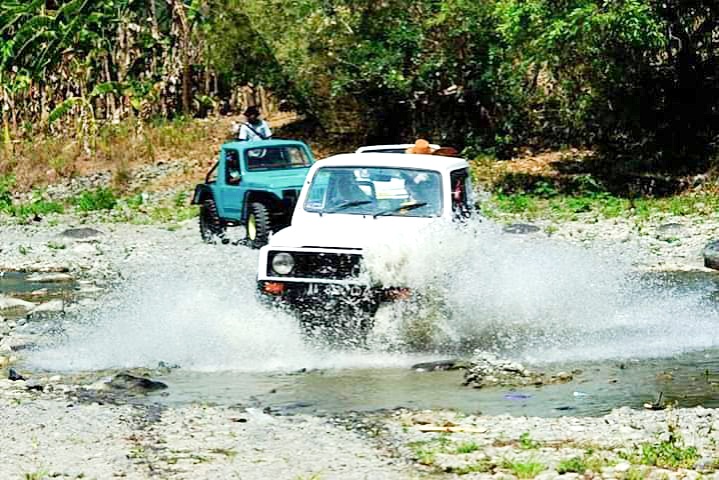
[(635, 78)]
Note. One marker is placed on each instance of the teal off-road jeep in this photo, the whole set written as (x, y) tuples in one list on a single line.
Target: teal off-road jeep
[(254, 184)]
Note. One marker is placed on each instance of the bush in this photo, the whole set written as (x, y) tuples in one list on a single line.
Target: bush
[(99, 199), (7, 182)]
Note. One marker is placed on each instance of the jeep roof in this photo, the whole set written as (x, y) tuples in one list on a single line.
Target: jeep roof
[(244, 144), (394, 148), (392, 160)]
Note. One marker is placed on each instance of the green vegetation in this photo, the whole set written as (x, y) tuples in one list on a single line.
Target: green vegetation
[(635, 473), (572, 465), (125, 209), (39, 475), (526, 469), (98, 199), (467, 447), (572, 206), (665, 455), (610, 75), (425, 451), (482, 466), (671, 453), (526, 442)]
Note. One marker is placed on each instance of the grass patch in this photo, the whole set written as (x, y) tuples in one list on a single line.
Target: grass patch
[(466, 447), (7, 182), (483, 466), (93, 200), (670, 453), (572, 465), (526, 442), (425, 451), (526, 469), (602, 205), (39, 475), (664, 455)]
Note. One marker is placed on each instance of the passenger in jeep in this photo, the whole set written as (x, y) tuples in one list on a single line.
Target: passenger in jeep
[(345, 190)]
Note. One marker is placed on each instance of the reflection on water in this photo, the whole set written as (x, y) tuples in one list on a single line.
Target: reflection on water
[(597, 390), (17, 284)]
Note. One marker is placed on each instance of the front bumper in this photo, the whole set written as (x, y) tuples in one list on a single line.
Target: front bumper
[(328, 296)]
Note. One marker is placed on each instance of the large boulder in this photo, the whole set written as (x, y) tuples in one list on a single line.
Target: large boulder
[(711, 255), (487, 370)]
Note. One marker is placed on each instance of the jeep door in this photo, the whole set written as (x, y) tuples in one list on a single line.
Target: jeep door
[(230, 185)]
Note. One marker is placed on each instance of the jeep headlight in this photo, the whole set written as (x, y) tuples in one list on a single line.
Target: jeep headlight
[(283, 263)]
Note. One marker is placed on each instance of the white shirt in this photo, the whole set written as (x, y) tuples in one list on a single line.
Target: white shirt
[(246, 132)]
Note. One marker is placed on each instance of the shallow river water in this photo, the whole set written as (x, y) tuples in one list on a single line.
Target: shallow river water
[(553, 307)]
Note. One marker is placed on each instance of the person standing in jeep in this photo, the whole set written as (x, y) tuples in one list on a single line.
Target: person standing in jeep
[(255, 128)]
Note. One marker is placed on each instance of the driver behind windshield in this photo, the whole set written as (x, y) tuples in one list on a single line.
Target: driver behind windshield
[(345, 191), (421, 187)]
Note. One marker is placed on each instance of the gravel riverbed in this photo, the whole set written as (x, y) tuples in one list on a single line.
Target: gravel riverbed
[(50, 431)]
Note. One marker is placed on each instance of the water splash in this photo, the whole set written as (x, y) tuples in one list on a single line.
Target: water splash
[(197, 311), (527, 298), (541, 300)]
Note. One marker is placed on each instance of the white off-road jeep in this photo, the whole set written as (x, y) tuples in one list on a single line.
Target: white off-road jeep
[(349, 203)]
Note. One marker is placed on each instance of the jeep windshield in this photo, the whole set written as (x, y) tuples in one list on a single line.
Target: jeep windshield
[(276, 158), (405, 192)]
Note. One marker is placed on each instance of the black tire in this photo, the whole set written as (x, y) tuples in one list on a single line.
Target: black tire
[(258, 225), (211, 225)]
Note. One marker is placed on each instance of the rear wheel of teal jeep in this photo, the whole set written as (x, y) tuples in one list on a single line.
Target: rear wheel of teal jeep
[(258, 225), (211, 225)]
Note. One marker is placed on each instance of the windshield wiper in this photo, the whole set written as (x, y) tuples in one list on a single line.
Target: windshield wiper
[(346, 205), (399, 209)]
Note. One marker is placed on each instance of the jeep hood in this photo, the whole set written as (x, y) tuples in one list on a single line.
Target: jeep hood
[(349, 231)]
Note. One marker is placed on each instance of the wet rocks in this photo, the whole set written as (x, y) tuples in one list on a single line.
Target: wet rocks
[(14, 376), (711, 255), (488, 370), (131, 383), (81, 233), (440, 365), (50, 278), (10, 305), (53, 306), (521, 228)]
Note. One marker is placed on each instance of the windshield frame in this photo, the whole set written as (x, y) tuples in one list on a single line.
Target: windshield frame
[(382, 212), (246, 157)]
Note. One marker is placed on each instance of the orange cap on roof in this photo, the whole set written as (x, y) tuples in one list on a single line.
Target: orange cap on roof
[(421, 146)]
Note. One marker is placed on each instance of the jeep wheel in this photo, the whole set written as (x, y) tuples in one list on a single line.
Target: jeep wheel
[(258, 225), (211, 225)]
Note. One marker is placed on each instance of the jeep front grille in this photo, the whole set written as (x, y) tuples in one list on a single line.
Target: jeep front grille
[(321, 265)]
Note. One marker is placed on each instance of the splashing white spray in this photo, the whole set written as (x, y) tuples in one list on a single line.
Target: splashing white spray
[(528, 298), (541, 300), (197, 311)]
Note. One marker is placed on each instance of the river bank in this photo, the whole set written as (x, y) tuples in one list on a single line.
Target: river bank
[(56, 430)]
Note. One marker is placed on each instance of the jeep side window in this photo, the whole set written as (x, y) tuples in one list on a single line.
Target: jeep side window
[(461, 193), (232, 167)]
